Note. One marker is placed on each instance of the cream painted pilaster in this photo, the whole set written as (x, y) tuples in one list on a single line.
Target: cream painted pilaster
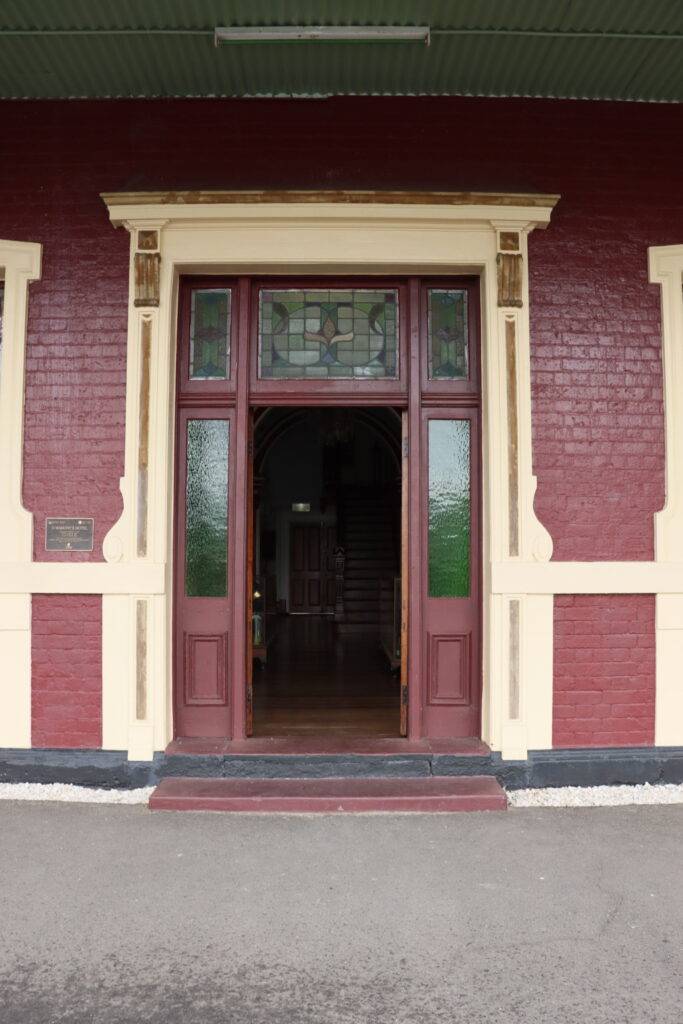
[(666, 269), (19, 264), (133, 637), (524, 720)]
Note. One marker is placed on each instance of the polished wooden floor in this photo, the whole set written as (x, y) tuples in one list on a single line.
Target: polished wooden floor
[(317, 681)]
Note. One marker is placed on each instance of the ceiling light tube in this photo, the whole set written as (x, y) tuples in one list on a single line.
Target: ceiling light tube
[(324, 33)]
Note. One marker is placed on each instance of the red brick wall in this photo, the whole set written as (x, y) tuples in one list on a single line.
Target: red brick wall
[(604, 691), (66, 650), (596, 371)]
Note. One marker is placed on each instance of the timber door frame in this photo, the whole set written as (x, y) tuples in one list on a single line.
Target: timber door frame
[(410, 391)]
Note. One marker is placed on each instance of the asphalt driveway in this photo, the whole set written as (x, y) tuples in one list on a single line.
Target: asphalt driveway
[(114, 914)]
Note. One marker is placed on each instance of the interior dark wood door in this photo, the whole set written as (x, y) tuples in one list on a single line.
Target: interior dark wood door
[(311, 568), (203, 601)]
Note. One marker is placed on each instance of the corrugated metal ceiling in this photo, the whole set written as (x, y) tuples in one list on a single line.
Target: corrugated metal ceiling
[(612, 49)]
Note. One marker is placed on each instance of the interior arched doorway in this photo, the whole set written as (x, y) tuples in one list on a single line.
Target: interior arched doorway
[(326, 643)]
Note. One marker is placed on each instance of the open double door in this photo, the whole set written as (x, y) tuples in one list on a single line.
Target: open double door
[(440, 665)]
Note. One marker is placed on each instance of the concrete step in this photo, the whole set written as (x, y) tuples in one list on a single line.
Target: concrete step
[(330, 796)]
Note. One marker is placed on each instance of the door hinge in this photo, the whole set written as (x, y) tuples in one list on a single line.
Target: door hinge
[(404, 695), (405, 448)]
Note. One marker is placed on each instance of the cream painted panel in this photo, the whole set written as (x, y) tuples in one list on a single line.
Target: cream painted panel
[(115, 670), (15, 675), (666, 269), (669, 647)]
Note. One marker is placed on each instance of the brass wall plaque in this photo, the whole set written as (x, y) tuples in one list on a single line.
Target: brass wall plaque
[(69, 534)]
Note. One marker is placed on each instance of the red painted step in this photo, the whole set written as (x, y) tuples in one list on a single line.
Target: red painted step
[(328, 796)]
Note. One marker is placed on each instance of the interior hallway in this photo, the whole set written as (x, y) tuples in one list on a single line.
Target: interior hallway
[(317, 680)]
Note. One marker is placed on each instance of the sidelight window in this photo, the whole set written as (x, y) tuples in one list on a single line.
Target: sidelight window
[(206, 519), (449, 524)]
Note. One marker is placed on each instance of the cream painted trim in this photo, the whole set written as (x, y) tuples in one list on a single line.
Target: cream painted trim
[(219, 236), (19, 265), (587, 577), (666, 270), (340, 198), (81, 578)]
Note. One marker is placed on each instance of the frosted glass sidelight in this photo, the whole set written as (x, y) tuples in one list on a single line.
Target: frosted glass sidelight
[(206, 524), (449, 508)]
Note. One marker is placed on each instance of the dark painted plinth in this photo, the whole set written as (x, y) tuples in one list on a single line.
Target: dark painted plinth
[(110, 769)]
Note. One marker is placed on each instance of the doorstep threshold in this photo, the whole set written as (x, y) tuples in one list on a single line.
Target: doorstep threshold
[(329, 744), (329, 796)]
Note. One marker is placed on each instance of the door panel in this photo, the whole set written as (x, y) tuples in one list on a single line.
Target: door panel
[(451, 656), (205, 669), (203, 601), (311, 568)]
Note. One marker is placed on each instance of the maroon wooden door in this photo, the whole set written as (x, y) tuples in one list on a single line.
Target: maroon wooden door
[(451, 573), (203, 564), (311, 568)]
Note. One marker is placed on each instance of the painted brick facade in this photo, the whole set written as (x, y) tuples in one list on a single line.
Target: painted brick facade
[(596, 370), (604, 693), (66, 692)]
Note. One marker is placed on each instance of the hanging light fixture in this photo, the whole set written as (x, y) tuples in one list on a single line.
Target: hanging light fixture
[(324, 33)]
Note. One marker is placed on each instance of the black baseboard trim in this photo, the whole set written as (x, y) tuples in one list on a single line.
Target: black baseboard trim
[(586, 766), (592, 766), (101, 769)]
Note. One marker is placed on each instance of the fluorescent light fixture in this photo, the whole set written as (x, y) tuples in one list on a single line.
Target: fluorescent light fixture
[(301, 506), (324, 33)]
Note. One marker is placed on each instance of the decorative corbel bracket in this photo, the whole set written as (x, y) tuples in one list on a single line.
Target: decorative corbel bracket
[(510, 266), (146, 268)]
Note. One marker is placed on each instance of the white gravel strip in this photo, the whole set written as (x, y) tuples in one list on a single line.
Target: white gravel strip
[(72, 794), (596, 796), (566, 796)]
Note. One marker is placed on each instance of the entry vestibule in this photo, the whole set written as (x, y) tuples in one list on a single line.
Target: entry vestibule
[(327, 571), (175, 234)]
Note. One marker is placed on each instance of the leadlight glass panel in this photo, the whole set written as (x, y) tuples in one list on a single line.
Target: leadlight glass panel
[(449, 525), (210, 334), (206, 508), (447, 330), (328, 334)]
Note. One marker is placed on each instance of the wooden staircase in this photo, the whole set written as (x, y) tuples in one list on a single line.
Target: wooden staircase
[(368, 538)]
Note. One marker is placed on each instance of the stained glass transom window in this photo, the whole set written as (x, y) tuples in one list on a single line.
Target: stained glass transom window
[(448, 355), (210, 334), (328, 334)]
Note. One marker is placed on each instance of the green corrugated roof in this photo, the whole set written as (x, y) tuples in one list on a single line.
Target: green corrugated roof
[(592, 49)]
